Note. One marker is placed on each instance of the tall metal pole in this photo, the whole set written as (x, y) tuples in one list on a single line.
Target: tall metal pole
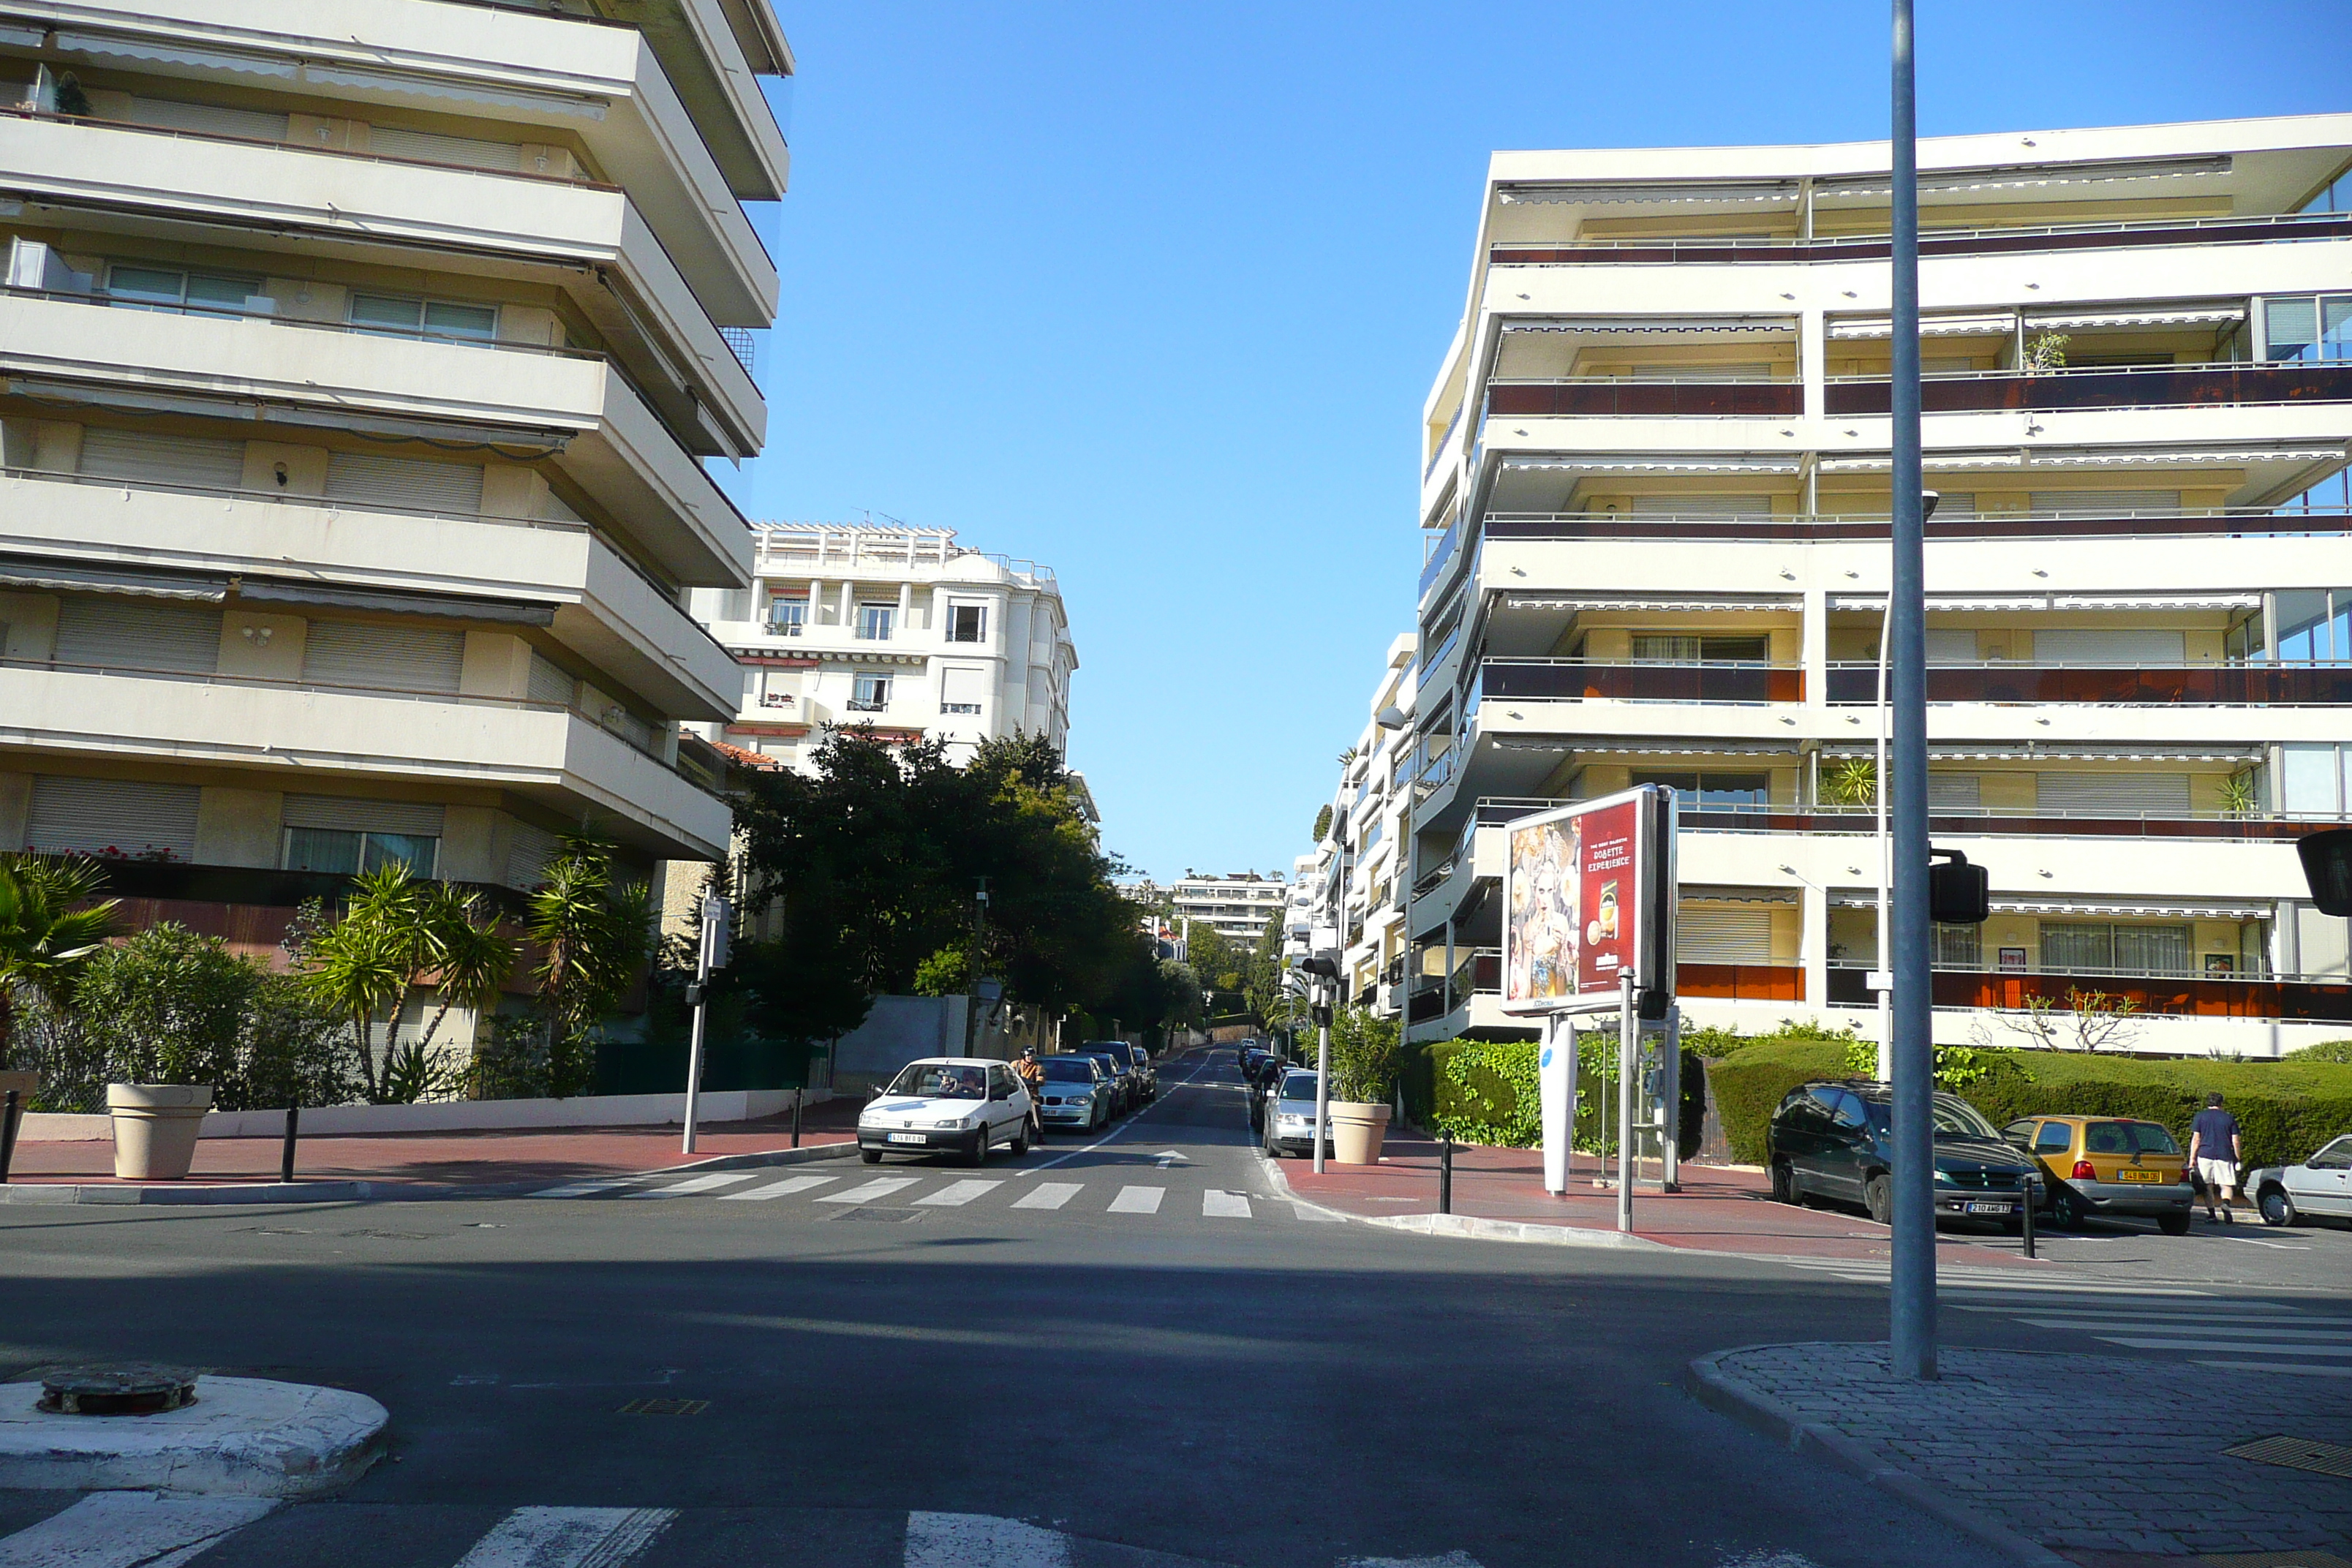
[(1629, 1057), (1323, 1079), (1911, 1300), (700, 989)]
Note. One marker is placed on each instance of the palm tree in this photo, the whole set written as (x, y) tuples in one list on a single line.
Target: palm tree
[(45, 940), (596, 931)]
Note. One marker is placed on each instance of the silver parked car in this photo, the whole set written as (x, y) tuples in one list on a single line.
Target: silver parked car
[(1290, 1117), (1077, 1092), (2320, 1185)]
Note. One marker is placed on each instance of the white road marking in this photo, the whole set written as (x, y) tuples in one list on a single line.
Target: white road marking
[(585, 1189), (1050, 1196), (1451, 1560), (880, 1188), (782, 1189), (955, 1195), (2240, 1313), (2256, 1348), (1314, 1216), (2276, 1329), (1217, 1204), (129, 1530), (1138, 1200), (568, 1538), (711, 1182), (981, 1540), (2281, 1366)]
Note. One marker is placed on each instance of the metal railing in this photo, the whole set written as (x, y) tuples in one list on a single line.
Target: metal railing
[(1582, 679), (2221, 522), (2122, 232), (2103, 685), (1610, 397), (2102, 386), (106, 299)]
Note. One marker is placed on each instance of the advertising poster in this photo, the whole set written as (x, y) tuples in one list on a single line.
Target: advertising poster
[(1573, 902)]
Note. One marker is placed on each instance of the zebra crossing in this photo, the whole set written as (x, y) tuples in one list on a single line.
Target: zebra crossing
[(2228, 1332), (838, 1193)]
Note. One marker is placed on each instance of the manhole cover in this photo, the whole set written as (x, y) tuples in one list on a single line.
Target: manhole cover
[(397, 1234), (121, 1388), (2296, 1454), (664, 1408), (897, 1216)]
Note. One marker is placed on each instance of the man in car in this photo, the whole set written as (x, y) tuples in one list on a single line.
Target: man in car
[(2214, 1150)]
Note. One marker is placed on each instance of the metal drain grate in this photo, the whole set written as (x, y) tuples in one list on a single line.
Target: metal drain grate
[(2297, 1454), (664, 1408), (897, 1216)]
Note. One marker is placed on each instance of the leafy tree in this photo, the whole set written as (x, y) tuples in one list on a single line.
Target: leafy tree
[(1322, 821), (45, 940), (167, 1006), (1216, 960)]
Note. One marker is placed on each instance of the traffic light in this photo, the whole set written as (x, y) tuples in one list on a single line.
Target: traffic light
[(1959, 894), (2328, 866)]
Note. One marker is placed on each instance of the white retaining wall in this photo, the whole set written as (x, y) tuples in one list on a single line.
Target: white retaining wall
[(455, 1116)]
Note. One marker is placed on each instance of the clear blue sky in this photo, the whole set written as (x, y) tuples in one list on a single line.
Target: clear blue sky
[(1153, 295)]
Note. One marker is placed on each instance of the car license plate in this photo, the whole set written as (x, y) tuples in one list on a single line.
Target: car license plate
[(1989, 1208), (2141, 1176), (908, 1138)]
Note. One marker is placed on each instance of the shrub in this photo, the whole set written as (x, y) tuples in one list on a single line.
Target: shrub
[(2286, 1109), (2325, 1051), (1363, 1057), (1750, 1083), (1487, 1092)]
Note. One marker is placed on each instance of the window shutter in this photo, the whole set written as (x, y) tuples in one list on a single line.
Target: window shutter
[(528, 854), (1708, 373), (2115, 795), (2121, 646), (432, 147), (1723, 935), (1739, 508), (123, 817), (963, 683), (343, 813), (1953, 792), (252, 124), (549, 683), (397, 659), (1951, 647), (145, 457), (2107, 501), (137, 633), (373, 478)]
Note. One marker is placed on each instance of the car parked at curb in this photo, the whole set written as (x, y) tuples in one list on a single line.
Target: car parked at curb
[(2108, 1165), (1077, 1092), (2320, 1185), (1290, 1115), (1147, 1076), (1113, 1056), (961, 1105), (1830, 1140)]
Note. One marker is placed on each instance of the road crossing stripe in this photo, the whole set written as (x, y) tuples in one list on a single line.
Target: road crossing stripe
[(981, 1540), (2255, 1348), (2203, 1322), (1050, 1196), (129, 1530), (2167, 1312), (711, 1182), (586, 1189), (1217, 1204), (782, 1189), (955, 1195), (1138, 1200), (2281, 1366), (568, 1538), (880, 1188)]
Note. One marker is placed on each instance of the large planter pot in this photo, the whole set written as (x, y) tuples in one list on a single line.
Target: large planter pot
[(1357, 1129), (155, 1128)]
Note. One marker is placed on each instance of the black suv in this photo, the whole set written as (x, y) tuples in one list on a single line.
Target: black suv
[(1832, 1141)]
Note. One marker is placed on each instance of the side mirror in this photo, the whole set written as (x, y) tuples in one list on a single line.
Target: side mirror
[(873, 1091)]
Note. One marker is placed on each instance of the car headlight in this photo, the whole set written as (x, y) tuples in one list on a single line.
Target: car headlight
[(951, 1121)]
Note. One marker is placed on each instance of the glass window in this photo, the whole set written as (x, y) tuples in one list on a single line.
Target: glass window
[(786, 617), (872, 694), (150, 287), (2148, 1138), (445, 320), (2309, 780), (2303, 625), (967, 623), (2105, 1138), (2316, 327), (2053, 1137), (874, 621), (344, 853), (2152, 949), (2068, 947), (1713, 791), (410, 849), (1959, 947), (423, 318)]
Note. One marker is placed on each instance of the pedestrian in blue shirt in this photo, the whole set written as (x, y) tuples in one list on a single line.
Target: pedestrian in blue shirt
[(2214, 1152)]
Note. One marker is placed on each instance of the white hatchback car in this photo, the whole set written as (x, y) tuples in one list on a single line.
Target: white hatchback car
[(964, 1105), (2320, 1185)]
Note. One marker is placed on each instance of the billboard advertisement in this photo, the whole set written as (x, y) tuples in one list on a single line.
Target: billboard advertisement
[(1587, 898)]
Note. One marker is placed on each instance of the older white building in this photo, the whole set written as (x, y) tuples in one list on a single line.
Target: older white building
[(1657, 460), (896, 628), (1237, 906), (359, 361)]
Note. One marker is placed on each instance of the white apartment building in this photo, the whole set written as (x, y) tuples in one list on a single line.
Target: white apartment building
[(358, 360), (896, 628), (1237, 906), (1655, 487), (1359, 867)]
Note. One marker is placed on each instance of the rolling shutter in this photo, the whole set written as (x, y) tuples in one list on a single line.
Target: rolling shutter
[(2116, 794), (528, 854), (373, 478), (963, 683), (252, 124), (146, 457), (139, 634), (1951, 647), (1707, 373), (549, 683), (2132, 649), (431, 147), (2107, 501), (1953, 792), (396, 659), (343, 813), (1704, 935), (1734, 506), (119, 816)]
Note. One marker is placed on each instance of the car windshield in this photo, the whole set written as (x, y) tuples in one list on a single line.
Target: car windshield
[(1298, 1085), (935, 1080), (1068, 1069), (1110, 1062), (2127, 1138), (1955, 1118)]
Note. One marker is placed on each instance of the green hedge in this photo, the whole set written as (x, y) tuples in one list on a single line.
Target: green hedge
[(1484, 1092), (1750, 1082)]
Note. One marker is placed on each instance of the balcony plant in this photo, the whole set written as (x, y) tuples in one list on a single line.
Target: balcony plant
[(1363, 1080), (2047, 351), (2239, 796), (1851, 781)]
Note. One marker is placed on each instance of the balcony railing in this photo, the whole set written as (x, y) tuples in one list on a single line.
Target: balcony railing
[(1435, 567), (2135, 386), (1996, 823), (2216, 522), (1578, 680), (1608, 395), (1934, 242), (2199, 996), (2211, 685)]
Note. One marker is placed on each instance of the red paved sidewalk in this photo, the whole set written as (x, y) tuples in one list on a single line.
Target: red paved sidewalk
[(1720, 1209), (479, 1159)]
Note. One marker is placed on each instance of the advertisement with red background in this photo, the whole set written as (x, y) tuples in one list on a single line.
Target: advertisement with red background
[(1572, 904)]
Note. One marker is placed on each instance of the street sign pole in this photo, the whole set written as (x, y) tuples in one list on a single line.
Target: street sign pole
[(710, 953), (1323, 1078), (1912, 1299), (1629, 1068), (1670, 1091)]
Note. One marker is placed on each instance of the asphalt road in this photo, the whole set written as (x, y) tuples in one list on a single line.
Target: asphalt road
[(1200, 1375)]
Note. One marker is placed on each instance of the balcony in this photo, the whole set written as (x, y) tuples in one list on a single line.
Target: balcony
[(2200, 522), (1481, 973), (1579, 680), (1819, 821), (2193, 997), (1934, 243), (2211, 685), (1604, 396), (2215, 384)]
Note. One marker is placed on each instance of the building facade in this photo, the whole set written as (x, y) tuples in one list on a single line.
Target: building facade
[(896, 628), (1655, 491), (1237, 906), (1363, 862), (359, 364)]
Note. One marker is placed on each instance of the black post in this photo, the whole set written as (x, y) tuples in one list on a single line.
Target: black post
[(286, 1157), (1446, 1176), (8, 1135), (2027, 1187), (798, 1095)]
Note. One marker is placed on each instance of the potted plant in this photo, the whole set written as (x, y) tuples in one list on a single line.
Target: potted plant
[(1363, 1077), (168, 1006)]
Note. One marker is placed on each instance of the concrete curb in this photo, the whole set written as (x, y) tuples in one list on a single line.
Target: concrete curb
[(244, 1437), (1469, 1227), (60, 1194), (1705, 1380)]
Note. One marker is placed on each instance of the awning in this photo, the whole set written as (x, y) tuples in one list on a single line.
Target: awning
[(88, 577), (2026, 176), (2179, 316), (1700, 894), (1599, 602), (1649, 326), (1978, 324), (1932, 462), (2093, 457), (2129, 907), (263, 590), (1635, 463), (2038, 601), (1619, 747), (1746, 193), (2031, 753)]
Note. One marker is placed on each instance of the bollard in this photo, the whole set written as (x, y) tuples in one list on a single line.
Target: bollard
[(2029, 1187), (7, 1134), (798, 1095), (286, 1155), (1446, 1176)]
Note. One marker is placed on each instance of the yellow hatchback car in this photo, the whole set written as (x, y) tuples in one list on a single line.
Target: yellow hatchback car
[(2108, 1166)]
